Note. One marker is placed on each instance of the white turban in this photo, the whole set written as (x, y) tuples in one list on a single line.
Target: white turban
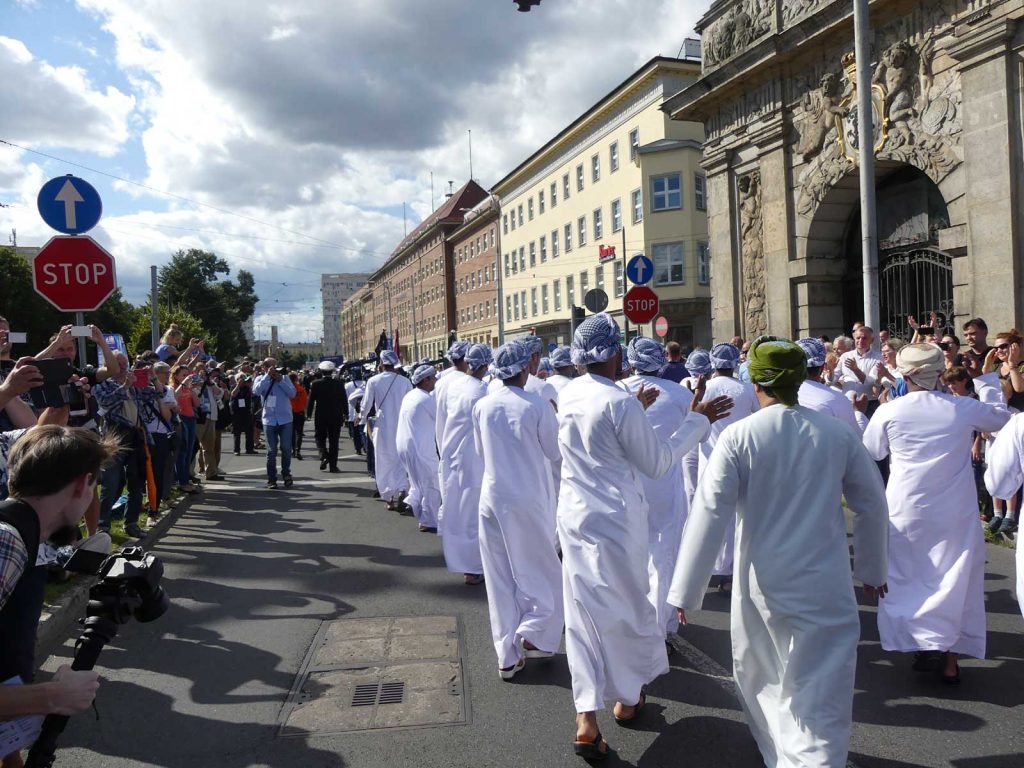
[(596, 340), (512, 359), (921, 363), (478, 356), (423, 372), (387, 357)]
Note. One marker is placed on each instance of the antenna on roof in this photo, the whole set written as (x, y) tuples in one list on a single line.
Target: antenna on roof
[(432, 205), (405, 228), (470, 132)]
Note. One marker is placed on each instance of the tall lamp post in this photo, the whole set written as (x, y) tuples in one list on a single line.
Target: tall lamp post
[(866, 153)]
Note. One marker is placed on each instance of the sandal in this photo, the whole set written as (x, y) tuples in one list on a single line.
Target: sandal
[(637, 708), (591, 750), (953, 679), (473, 579)]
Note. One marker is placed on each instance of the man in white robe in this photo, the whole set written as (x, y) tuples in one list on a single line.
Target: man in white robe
[(783, 473), (565, 371), (698, 365), (516, 433), (936, 548), (725, 358), (824, 399), (381, 403), (460, 536), (613, 640), (456, 355), (666, 495), (418, 450), (1005, 475)]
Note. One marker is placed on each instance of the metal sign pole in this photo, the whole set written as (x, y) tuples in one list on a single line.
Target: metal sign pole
[(80, 320), (866, 133), (625, 256)]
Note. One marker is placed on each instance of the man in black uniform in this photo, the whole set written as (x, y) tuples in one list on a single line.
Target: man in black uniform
[(328, 401)]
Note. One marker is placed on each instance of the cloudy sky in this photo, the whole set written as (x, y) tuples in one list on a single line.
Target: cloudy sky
[(286, 137)]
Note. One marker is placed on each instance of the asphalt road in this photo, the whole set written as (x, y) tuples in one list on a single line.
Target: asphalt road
[(254, 573)]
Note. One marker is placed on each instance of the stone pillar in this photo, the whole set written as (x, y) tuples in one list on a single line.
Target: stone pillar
[(775, 237), (725, 319), (991, 122)]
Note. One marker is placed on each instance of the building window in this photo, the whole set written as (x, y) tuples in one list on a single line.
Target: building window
[(512, 217), (533, 253), (636, 201), (584, 283), (599, 277), (703, 263), (519, 210), (700, 197), (554, 194), (515, 309), (504, 223), (595, 168), (579, 177), (543, 248), (492, 237), (613, 157), (522, 259), (522, 303), (581, 229), (668, 264), (666, 192), (515, 263), (529, 209), (557, 290), (598, 224), (616, 215), (634, 144), (570, 292), (554, 244), (568, 237), (544, 298), (565, 186), (508, 307), (619, 287)]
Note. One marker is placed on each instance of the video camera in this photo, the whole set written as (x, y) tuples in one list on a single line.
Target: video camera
[(128, 587)]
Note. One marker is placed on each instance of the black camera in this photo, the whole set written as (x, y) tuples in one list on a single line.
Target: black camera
[(128, 587)]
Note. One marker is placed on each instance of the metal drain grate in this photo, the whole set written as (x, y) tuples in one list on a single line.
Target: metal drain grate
[(365, 695), (391, 693)]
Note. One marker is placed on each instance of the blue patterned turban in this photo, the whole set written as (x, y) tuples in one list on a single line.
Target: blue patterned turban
[(478, 356), (646, 355), (561, 358), (596, 340), (699, 363), (815, 351), (534, 343), (512, 359), (423, 372), (388, 357), (724, 356), (458, 350), (545, 366)]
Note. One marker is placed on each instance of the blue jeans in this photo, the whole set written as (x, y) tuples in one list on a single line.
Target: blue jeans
[(122, 470), (188, 442), (275, 434)]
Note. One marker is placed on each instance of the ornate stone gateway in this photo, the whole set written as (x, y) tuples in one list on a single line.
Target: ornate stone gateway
[(778, 99)]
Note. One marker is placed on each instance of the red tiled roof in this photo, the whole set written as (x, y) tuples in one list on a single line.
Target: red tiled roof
[(467, 196)]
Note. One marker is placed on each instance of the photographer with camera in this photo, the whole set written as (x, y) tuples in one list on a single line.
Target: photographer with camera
[(53, 473), (209, 395), (241, 413), (277, 391)]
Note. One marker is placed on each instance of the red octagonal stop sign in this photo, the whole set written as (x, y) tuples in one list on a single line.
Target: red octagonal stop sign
[(640, 304), (74, 273)]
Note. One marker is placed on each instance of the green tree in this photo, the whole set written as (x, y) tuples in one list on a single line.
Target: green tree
[(195, 282), (140, 337)]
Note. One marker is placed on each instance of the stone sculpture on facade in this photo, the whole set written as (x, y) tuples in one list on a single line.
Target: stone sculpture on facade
[(733, 32), (792, 10), (820, 107), (755, 313)]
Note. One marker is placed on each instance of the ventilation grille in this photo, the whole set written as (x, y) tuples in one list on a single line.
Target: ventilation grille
[(367, 695)]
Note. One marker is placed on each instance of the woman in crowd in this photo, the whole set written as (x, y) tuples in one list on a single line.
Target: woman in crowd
[(1004, 359), (298, 415), (890, 381), (187, 403), (168, 349), (950, 346), (241, 413)]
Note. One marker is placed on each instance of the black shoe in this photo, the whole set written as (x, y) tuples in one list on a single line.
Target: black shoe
[(252, 453), (297, 457), (323, 464), (237, 453), (272, 485), (335, 471), (376, 494), (358, 452), (288, 481), (133, 530)]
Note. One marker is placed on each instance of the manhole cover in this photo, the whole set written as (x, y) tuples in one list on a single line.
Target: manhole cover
[(368, 674)]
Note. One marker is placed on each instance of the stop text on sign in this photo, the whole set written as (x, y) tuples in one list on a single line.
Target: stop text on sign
[(65, 273)]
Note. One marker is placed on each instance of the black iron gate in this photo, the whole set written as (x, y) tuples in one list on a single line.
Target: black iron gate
[(916, 283)]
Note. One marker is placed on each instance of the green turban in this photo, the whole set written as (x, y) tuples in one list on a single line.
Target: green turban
[(779, 364)]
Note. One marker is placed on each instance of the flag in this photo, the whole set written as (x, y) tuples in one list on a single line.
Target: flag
[(382, 343), (398, 349)]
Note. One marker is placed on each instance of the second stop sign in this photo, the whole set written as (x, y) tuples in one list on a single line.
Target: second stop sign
[(640, 305)]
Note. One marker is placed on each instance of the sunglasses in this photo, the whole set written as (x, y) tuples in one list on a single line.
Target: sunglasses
[(1002, 346)]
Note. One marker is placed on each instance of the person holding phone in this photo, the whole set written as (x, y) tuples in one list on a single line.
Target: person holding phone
[(241, 413), (209, 395), (277, 391), (181, 381)]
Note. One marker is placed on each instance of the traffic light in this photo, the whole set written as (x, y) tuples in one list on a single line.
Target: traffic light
[(579, 314)]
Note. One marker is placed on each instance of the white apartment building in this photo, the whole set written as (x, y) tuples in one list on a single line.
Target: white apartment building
[(622, 179), (335, 290)]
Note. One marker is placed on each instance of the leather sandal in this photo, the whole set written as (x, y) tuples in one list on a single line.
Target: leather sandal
[(637, 708), (591, 750)]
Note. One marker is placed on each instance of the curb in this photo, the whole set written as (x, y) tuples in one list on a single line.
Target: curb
[(57, 620)]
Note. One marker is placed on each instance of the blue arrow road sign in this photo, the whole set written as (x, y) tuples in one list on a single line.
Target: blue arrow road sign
[(640, 269), (69, 204)]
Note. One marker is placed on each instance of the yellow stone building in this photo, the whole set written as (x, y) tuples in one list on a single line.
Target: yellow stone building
[(622, 179)]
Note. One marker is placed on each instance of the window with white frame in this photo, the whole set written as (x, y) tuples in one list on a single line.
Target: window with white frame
[(554, 194), (599, 277), (584, 283), (512, 220), (519, 210), (568, 237), (636, 202), (515, 310), (579, 177), (666, 192), (700, 194), (613, 157), (595, 168), (620, 288), (522, 302), (522, 259), (544, 299), (634, 144), (598, 224), (616, 215), (515, 263), (508, 307), (703, 263), (669, 265), (533, 253), (554, 244), (504, 223), (529, 209), (492, 237), (556, 289), (570, 291), (543, 248), (581, 230), (565, 186), (540, 201)]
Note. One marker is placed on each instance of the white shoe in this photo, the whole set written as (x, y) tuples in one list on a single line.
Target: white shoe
[(508, 674), (537, 653)]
